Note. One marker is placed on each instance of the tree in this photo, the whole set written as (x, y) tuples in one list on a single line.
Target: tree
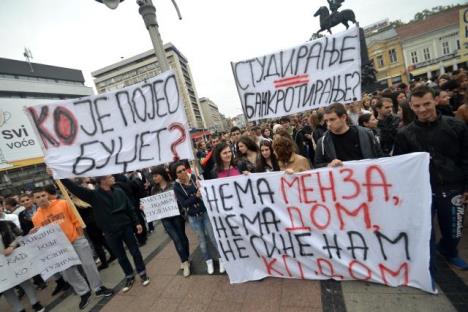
[(420, 16)]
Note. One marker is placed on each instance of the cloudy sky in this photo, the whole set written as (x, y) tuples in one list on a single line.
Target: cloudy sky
[(86, 35)]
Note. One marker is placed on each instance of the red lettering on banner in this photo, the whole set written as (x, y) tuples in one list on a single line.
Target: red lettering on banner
[(291, 218), (269, 266), (403, 266), (349, 178), (382, 183), (305, 190), (330, 188), (299, 265), (313, 218), (364, 207), (65, 125), (284, 182), (351, 270), (38, 120), (332, 274)]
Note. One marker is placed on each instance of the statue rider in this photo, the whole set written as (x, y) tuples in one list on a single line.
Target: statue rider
[(334, 5)]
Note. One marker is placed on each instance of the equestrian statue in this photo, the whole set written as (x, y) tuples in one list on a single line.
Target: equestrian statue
[(329, 20)]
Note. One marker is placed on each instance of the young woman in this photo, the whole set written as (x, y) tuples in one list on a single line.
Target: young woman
[(288, 160), (188, 196), (224, 166), (266, 134), (174, 226), (248, 153), (267, 161)]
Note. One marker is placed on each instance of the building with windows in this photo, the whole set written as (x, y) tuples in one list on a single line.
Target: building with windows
[(145, 65), (22, 84), (214, 120), (384, 49), (431, 47)]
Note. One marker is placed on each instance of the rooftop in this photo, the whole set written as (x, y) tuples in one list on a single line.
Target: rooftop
[(22, 68), (434, 22)]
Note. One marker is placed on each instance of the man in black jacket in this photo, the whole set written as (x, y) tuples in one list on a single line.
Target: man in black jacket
[(446, 140), (343, 142), (388, 124), (115, 215)]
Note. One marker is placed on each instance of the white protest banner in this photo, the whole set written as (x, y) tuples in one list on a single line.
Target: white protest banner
[(160, 206), (369, 220), (314, 74), (140, 126), (45, 252), (19, 143)]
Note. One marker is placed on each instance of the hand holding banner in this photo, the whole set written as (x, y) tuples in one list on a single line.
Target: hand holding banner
[(362, 221)]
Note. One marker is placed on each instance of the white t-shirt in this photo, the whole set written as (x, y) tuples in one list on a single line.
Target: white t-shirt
[(11, 217)]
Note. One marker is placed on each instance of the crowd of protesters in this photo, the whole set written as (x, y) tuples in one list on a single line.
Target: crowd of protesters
[(429, 116)]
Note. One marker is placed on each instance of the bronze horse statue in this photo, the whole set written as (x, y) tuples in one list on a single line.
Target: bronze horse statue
[(328, 21)]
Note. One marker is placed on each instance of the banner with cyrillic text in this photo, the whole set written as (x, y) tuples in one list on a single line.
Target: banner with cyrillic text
[(369, 220), (45, 252), (137, 127), (160, 206), (314, 74)]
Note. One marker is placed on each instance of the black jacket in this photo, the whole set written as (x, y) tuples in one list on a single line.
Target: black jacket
[(111, 212), (187, 199), (9, 232), (446, 140), (388, 129), (325, 151)]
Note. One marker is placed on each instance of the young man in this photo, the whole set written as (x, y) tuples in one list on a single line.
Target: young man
[(115, 215), (59, 212), (388, 124), (343, 142), (446, 140), (6, 215), (11, 204), (235, 136), (443, 107)]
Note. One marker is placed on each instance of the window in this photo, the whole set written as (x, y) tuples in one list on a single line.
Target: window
[(445, 47), (414, 57), (458, 44), (427, 54), (392, 55), (380, 61)]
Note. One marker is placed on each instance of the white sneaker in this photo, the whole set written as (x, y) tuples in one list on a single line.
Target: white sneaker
[(186, 268), (209, 266), (222, 269)]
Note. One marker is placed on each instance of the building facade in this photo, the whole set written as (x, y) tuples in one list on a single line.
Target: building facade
[(145, 65), (384, 49), (21, 84), (214, 120), (432, 46)]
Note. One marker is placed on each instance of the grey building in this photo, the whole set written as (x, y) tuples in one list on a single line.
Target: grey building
[(213, 119), (145, 65)]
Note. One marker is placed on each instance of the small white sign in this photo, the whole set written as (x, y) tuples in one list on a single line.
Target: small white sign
[(160, 206)]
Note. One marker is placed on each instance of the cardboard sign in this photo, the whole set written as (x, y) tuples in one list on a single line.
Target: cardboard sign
[(137, 127), (314, 74), (45, 252), (369, 220), (160, 206)]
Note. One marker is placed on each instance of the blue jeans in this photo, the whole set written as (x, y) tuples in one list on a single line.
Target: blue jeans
[(450, 211), (202, 227), (116, 240), (175, 228)]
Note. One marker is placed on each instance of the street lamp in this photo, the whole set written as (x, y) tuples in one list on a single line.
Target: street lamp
[(148, 12)]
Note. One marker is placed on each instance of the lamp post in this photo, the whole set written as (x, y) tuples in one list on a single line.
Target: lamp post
[(148, 12)]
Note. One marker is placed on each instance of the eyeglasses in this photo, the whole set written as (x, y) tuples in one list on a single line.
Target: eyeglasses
[(180, 171)]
